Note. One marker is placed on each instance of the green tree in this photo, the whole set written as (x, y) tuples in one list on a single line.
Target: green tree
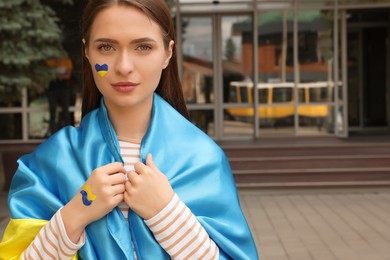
[(29, 36), (230, 49)]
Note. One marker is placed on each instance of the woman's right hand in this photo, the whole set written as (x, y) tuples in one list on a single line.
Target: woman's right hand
[(107, 185)]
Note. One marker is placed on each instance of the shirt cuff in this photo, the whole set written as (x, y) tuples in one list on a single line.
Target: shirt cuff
[(65, 236)]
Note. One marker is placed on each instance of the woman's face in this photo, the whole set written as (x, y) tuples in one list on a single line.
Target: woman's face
[(127, 55)]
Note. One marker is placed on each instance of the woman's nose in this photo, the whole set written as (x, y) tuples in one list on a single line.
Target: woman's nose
[(124, 64)]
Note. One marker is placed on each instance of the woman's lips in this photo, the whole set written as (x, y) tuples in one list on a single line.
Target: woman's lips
[(124, 86)]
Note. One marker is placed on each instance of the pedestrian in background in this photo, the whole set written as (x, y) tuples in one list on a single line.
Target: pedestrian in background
[(59, 94)]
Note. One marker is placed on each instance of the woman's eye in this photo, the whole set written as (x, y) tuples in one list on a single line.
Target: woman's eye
[(105, 47), (144, 48)]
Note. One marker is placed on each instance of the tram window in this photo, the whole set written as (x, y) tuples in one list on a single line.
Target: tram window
[(263, 96), (314, 95), (324, 94), (282, 95), (301, 95), (244, 95), (233, 94), (318, 94)]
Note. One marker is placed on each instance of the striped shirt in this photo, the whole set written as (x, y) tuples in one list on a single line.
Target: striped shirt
[(130, 152), (52, 242), (175, 227), (181, 235)]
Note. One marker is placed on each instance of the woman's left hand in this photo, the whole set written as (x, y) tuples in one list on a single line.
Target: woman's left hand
[(148, 190)]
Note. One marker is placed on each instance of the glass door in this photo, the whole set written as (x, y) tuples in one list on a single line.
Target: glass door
[(216, 63), (199, 70), (236, 55), (368, 84)]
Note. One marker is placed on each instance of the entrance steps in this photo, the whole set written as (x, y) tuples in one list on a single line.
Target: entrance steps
[(280, 162), (285, 164)]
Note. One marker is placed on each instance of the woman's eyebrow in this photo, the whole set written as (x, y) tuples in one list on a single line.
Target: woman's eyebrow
[(135, 41), (106, 40), (141, 40)]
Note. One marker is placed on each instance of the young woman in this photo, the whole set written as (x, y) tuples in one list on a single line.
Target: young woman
[(96, 192)]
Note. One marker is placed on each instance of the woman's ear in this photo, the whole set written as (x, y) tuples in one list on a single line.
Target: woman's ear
[(85, 49), (169, 53)]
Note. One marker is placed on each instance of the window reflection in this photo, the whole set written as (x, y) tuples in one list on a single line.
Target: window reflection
[(236, 67), (242, 125), (275, 73), (237, 70), (38, 121), (280, 95), (11, 126), (316, 62), (204, 119), (198, 60), (276, 88), (263, 96)]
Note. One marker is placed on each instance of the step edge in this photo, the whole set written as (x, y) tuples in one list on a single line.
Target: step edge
[(324, 170), (304, 157), (314, 184)]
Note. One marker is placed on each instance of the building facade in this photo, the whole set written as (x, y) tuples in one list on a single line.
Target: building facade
[(255, 68)]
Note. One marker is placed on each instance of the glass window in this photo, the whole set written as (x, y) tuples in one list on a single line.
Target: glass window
[(357, 2), (280, 95), (263, 96), (276, 72), (237, 65), (215, 6), (38, 124), (244, 94), (204, 119), (11, 126), (302, 95), (242, 125), (316, 69), (10, 99), (318, 94), (315, 119), (315, 51), (233, 98), (236, 51), (198, 65)]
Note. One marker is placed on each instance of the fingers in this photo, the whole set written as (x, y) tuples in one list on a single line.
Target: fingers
[(140, 168), (132, 175), (150, 162), (118, 189), (150, 167), (117, 178), (111, 168), (118, 198)]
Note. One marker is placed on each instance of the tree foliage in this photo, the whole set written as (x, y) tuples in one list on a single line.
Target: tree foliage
[(230, 49), (29, 36)]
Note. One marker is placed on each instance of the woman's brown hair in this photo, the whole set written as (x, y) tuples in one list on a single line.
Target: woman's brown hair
[(169, 86)]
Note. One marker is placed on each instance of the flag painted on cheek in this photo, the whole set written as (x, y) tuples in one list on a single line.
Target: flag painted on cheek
[(101, 69)]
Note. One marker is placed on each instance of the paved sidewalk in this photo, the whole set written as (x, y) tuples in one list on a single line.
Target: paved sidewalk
[(317, 224), (320, 224)]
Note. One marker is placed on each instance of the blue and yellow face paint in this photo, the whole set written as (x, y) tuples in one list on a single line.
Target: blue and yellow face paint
[(101, 69), (87, 196)]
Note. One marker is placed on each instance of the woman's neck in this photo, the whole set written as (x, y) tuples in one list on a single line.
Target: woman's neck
[(131, 123)]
